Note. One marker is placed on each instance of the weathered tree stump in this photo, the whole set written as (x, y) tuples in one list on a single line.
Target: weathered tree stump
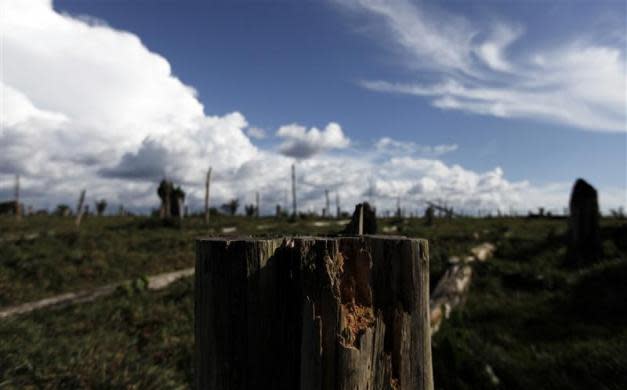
[(429, 215), (312, 313), (584, 235), (363, 216)]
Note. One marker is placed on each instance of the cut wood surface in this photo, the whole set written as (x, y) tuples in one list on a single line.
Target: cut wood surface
[(312, 313), (452, 288), (155, 282)]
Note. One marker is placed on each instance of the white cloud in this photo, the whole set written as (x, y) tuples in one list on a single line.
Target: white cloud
[(578, 83), (76, 91), (256, 132), (391, 147), (428, 41), (492, 51), (87, 106), (302, 143)]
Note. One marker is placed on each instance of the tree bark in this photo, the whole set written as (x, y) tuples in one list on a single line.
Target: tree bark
[(313, 313)]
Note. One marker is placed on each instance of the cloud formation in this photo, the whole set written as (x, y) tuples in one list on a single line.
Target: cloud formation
[(88, 106), (302, 143), (256, 132), (391, 147), (578, 83), (85, 103)]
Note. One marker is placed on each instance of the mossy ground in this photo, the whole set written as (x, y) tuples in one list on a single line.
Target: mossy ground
[(529, 322)]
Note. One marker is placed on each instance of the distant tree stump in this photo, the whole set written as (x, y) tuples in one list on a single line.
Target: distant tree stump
[(368, 220), (312, 313), (584, 235), (429, 215)]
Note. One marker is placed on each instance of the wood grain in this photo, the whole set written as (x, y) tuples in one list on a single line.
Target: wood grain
[(312, 313)]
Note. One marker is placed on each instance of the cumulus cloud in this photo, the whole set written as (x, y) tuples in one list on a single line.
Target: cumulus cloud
[(148, 163), (578, 83), (302, 143), (88, 106), (85, 103)]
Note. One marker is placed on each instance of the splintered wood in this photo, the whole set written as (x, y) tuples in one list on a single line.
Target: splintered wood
[(313, 313), (357, 312)]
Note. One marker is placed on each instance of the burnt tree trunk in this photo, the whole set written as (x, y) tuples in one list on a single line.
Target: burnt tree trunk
[(584, 237), (363, 221), (313, 313)]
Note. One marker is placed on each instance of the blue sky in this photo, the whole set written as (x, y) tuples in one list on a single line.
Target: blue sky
[(518, 87), (289, 61)]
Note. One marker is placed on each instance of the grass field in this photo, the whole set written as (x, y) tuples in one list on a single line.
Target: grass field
[(529, 321)]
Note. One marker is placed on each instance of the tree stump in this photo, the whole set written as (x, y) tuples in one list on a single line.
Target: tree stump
[(312, 313), (584, 244), (365, 216), (429, 215)]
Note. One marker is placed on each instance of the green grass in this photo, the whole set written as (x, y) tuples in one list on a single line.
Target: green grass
[(133, 339), (536, 323), (529, 322), (109, 249), (106, 250)]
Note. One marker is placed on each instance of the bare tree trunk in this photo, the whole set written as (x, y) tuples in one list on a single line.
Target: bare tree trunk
[(327, 208), (312, 313), (257, 204), (207, 184), (294, 209), (162, 210), (168, 205), (360, 229), (18, 207), (79, 209)]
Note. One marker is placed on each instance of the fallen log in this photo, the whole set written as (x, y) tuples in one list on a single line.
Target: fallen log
[(452, 288), (484, 251), (155, 282), (449, 293)]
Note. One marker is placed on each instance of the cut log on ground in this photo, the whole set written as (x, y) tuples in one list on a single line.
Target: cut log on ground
[(155, 282), (449, 292), (312, 313), (452, 288)]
